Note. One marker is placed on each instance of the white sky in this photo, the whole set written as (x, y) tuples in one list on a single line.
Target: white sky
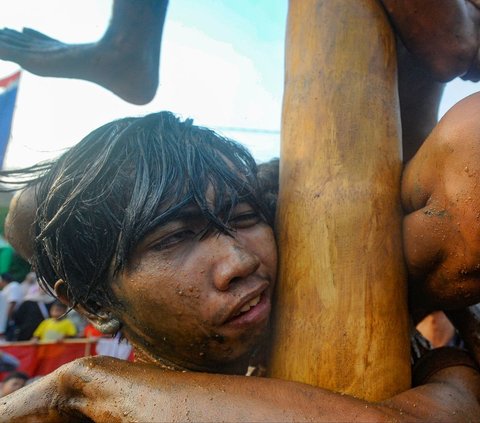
[(222, 64), (205, 73)]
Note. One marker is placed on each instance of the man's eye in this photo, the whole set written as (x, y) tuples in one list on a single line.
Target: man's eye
[(174, 239), (244, 220)]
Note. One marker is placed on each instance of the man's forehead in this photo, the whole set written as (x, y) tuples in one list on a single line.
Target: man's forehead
[(190, 211)]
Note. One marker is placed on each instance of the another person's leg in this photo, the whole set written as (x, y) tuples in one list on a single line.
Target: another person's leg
[(125, 60), (418, 117), (443, 36)]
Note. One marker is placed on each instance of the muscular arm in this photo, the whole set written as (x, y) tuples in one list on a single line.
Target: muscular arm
[(105, 389)]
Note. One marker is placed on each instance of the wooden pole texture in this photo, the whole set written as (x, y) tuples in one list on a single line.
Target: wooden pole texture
[(341, 318)]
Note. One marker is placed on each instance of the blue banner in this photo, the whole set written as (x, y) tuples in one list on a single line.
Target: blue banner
[(7, 106)]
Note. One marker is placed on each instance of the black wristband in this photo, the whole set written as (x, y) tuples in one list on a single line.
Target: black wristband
[(440, 358)]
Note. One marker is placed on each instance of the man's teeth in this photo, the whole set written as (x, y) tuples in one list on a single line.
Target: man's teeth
[(252, 303)]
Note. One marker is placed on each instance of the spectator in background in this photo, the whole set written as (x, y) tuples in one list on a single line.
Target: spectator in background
[(57, 326), (91, 331), (33, 291), (33, 310), (29, 284), (78, 320), (12, 297), (439, 331), (27, 318), (12, 382)]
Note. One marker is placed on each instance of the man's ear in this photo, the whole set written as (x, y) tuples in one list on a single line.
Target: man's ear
[(104, 321)]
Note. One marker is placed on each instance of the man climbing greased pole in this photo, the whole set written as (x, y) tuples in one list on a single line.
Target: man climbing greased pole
[(226, 268)]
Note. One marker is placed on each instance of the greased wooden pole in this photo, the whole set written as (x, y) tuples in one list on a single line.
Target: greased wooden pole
[(342, 316)]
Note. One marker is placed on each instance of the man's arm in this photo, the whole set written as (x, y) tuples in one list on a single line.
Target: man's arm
[(105, 389)]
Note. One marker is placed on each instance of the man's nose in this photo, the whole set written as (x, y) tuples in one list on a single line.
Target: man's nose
[(234, 261)]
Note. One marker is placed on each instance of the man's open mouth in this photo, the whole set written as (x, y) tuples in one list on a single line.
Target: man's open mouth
[(252, 303)]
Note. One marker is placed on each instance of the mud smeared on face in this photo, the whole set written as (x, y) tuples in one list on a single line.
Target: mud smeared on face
[(200, 303)]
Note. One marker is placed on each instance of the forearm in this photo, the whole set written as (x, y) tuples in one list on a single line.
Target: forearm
[(103, 389), (448, 398), (106, 389), (149, 394)]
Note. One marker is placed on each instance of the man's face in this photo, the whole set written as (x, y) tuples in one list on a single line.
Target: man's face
[(200, 301)]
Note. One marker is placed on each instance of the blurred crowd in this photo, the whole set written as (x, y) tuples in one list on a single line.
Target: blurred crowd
[(28, 313), (13, 379)]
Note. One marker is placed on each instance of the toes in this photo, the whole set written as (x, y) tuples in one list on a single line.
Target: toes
[(33, 34)]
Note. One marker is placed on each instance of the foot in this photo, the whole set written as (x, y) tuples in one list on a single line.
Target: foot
[(128, 70)]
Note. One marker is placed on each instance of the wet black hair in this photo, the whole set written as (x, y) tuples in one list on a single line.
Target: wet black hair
[(268, 180), (101, 197)]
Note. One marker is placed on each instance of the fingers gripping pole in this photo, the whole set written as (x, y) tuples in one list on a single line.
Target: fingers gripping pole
[(342, 315)]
